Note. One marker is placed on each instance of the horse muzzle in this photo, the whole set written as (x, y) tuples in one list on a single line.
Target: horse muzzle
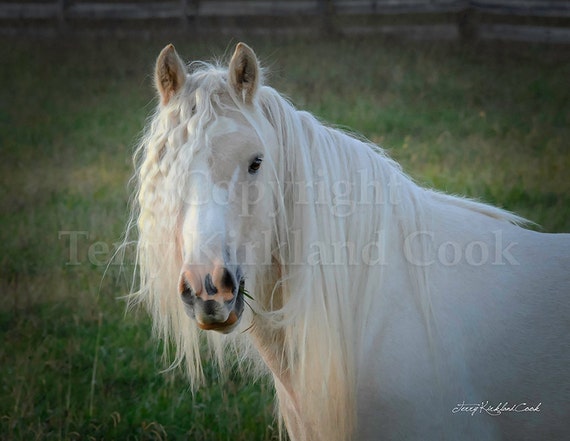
[(213, 296)]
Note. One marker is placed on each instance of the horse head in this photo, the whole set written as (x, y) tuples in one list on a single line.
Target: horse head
[(223, 193)]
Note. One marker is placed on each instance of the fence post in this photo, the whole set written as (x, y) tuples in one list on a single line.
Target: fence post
[(467, 24), (327, 11), (62, 13), (184, 14), (190, 11)]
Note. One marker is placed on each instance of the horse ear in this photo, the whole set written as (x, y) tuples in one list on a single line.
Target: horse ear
[(244, 72), (170, 73)]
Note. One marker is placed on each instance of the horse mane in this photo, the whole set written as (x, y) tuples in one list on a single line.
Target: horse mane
[(316, 308)]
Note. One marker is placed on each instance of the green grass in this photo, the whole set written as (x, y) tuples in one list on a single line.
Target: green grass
[(489, 121)]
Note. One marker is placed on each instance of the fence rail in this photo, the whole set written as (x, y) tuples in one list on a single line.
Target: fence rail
[(58, 13)]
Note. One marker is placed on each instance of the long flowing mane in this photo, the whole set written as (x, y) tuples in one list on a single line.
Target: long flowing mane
[(342, 208)]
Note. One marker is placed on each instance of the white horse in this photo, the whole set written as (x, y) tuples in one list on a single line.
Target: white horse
[(382, 310)]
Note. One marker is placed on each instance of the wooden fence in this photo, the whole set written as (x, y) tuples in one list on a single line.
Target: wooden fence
[(543, 20)]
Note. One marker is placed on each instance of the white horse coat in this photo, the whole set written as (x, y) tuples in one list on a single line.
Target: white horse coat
[(499, 341), (381, 309)]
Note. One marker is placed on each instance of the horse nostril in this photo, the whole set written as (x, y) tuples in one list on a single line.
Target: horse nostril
[(228, 280), (185, 289), (209, 285)]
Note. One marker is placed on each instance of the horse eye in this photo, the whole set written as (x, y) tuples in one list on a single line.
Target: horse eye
[(255, 165)]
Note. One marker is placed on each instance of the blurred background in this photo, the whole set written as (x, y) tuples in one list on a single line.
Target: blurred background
[(471, 97)]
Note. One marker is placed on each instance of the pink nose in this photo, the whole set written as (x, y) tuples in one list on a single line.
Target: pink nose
[(210, 295), (208, 283)]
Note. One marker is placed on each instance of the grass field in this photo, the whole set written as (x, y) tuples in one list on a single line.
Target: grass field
[(488, 121)]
